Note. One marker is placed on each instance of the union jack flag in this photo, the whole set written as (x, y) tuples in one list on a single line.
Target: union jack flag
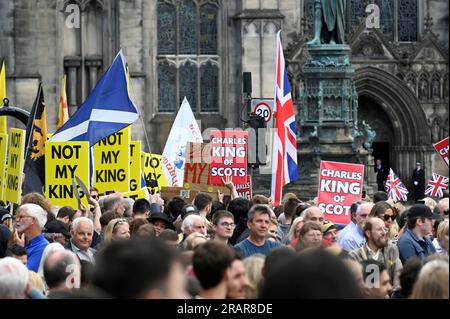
[(395, 188), (284, 162), (437, 185)]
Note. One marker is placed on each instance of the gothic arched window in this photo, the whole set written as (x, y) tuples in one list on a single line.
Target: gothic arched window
[(188, 54), (407, 20)]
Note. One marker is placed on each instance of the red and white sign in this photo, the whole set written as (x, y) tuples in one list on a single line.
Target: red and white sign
[(245, 190), (340, 185), (442, 148), (228, 156), (263, 108)]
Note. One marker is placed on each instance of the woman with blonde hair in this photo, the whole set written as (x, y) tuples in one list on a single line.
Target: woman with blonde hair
[(293, 236), (117, 229), (36, 282), (193, 240), (253, 270), (433, 281), (441, 240)]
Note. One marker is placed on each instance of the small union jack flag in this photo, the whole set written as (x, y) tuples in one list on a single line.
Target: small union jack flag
[(395, 188), (437, 185)]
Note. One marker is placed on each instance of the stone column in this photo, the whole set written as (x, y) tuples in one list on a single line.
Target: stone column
[(72, 65), (93, 63)]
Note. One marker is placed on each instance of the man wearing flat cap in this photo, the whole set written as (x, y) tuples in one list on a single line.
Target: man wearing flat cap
[(415, 241), (418, 179)]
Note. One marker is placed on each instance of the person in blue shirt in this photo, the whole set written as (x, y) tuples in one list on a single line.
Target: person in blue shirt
[(415, 241), (352, 237), (258, 224), (30, 220)]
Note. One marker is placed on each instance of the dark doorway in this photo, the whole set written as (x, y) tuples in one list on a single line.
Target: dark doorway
[(381, 150)]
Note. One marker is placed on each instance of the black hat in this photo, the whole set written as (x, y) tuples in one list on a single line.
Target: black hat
[(56, 226), (421, 211), (161, 216), (188, 210), (4, 214)]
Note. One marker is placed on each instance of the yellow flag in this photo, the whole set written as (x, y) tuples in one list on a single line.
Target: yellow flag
[(3, 119), (63, 113)]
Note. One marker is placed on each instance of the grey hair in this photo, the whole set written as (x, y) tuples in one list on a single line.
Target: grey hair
[(37, 212), (111, 201), (51, 248), (363, 206), (306, 213), (79, 220), (188, 223), (13, 278), (129, 207)]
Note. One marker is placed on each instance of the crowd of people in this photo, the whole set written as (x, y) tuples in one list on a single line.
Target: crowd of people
[(231, 248)]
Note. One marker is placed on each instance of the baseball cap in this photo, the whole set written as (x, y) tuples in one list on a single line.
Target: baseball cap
[(188, 210), (4, 214), (327, 226), (421, 211), (56, 226)]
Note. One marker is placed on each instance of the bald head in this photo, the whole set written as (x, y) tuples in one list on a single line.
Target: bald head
[(362, 212), (313, 214), (62, 270)]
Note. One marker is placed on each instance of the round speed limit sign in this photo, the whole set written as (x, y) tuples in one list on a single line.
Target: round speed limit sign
[(263, 109)]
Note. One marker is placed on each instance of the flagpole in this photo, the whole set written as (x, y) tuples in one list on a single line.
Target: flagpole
[(145, 131)]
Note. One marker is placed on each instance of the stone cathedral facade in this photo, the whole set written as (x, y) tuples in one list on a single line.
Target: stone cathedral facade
[(200, 48)]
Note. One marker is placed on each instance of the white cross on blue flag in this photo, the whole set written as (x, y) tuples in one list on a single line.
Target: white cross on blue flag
[(107, 109)]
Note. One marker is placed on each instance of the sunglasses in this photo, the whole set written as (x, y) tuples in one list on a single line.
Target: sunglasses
[(119, 222), (386, 217)]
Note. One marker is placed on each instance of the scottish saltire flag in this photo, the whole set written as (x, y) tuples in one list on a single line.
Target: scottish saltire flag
[(107, 109), (436, 186), (184, 129), (284, 162), (395, 188)]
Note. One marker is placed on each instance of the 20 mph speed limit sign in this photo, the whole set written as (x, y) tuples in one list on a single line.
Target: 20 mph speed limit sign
[(264, 108)]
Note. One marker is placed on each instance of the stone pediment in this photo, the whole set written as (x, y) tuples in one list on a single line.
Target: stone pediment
[(429, 49), (370, 44)]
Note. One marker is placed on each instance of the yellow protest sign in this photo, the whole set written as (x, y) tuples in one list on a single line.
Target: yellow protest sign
[(3, 147), (64, 161), (152, 170), (49, 135), (112, 162), (16, 160), (142, 193), (135, 165)]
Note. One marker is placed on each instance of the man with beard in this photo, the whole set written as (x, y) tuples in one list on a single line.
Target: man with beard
[(377, 247), (30, 219)]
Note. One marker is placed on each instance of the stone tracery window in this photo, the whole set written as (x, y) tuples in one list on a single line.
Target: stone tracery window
[(188, 54)]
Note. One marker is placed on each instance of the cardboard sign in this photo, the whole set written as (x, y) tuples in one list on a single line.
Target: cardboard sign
[(16, 161), (170, 192), (135, 166), (228, 156), (64, 161), (112, 162), (340, 185), (141, 193), (3, 147), (152, 170), (245, 190), (442, 148)]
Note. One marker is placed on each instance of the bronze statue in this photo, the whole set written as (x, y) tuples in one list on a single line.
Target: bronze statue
[(329, 22)]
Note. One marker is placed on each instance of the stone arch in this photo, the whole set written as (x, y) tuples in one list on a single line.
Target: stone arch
[(411, 138), (398, 101)]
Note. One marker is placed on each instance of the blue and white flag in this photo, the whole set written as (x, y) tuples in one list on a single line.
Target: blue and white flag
[(184, 129), (107, 109)]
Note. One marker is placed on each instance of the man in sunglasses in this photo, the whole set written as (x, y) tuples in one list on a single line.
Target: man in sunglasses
[(379, 248)]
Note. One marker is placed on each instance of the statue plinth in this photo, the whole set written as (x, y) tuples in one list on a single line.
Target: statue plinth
[(328, 115)]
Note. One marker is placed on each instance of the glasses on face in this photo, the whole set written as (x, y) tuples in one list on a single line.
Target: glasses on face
[(18, 218), (94, 196), (386, 217), (225, 224)]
